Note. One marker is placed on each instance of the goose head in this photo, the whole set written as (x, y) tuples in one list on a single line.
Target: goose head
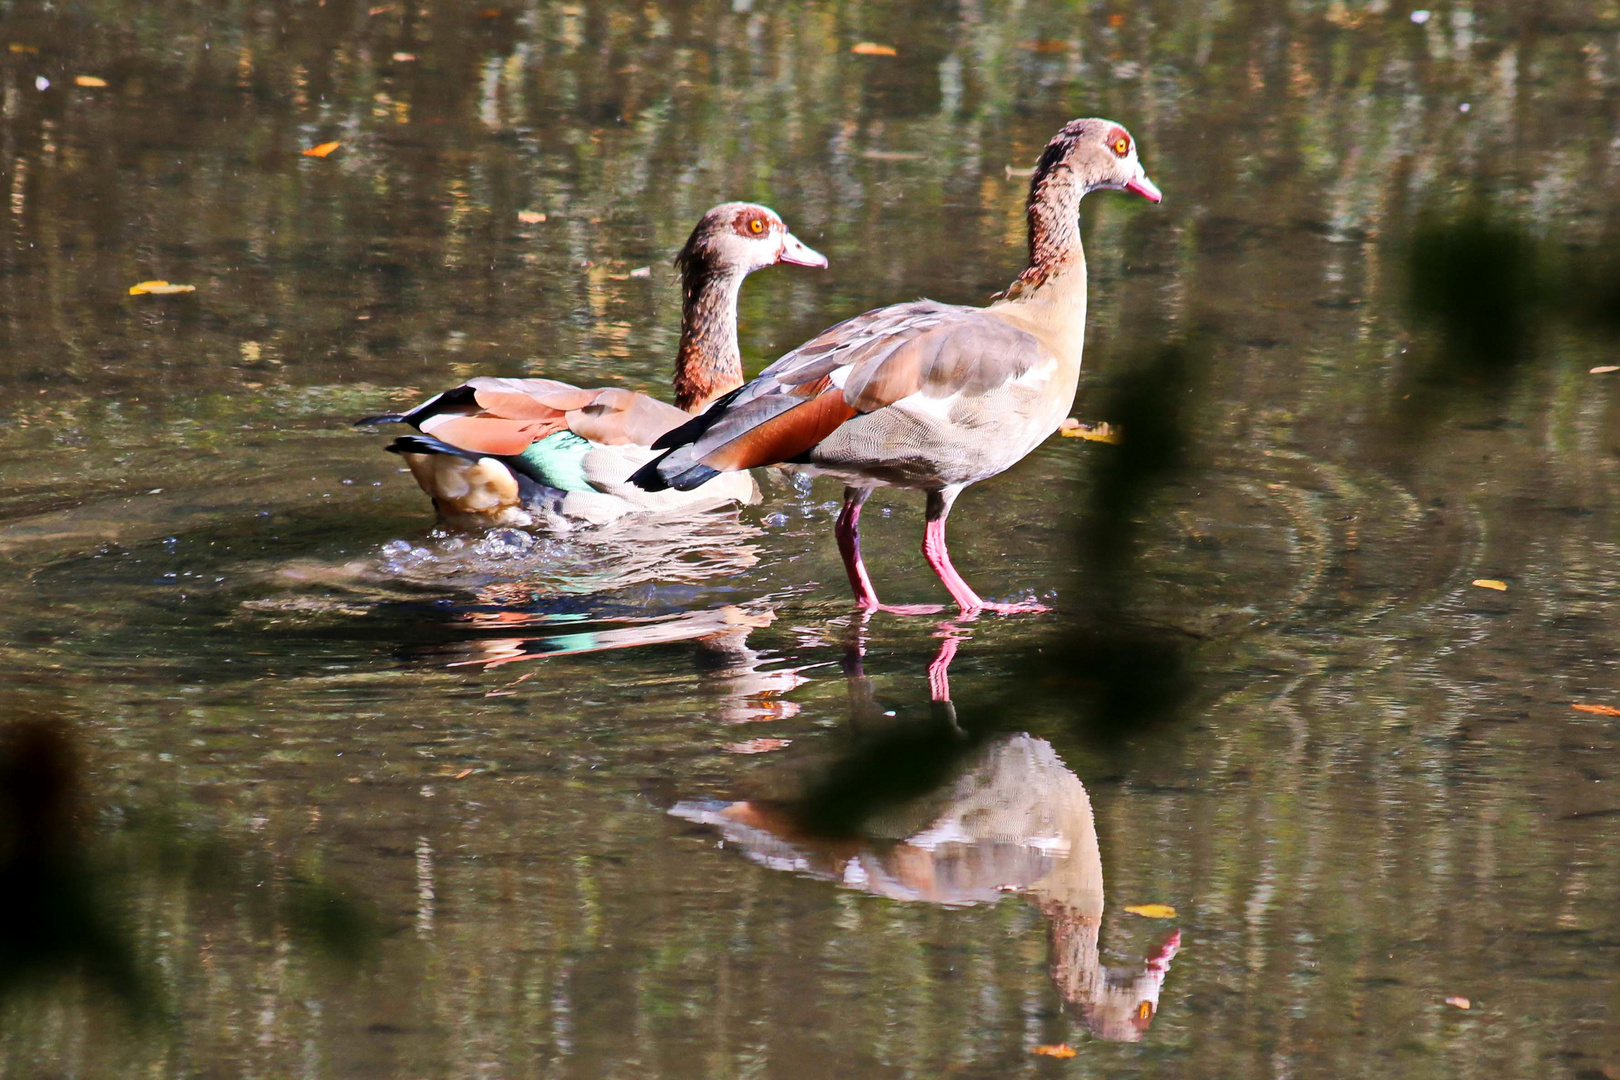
[(1090, 155), (739, 238)]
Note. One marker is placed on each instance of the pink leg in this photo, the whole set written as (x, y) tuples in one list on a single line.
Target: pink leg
[(939, 557), (848, 531)]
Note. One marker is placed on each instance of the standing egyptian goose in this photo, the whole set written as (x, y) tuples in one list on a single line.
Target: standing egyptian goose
[(924, 395), (499, 451)]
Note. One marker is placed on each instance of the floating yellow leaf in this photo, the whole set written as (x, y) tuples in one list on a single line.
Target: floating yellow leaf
[(1595, 710), (757, 746), (1061, 1050), (88, 80), (1101, 432), (531, 217), (159, 288), (1152, 911), (322, 150), (463, 774), (1490, 583), (872, 48), (1604, 369), (19, 47), (1459, 1002)]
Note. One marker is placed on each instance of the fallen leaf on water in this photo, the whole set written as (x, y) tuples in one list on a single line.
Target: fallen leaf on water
[(757, 746), (531, 217), (159, 288), (1152, 911), (872, 48), (1490, 583), (1595, 710), (404, 57), (322, 150), (1046, 45), (641, 271), (1061, 1050), (19, 47), (1604, 369), (1101, 432), (1116, 21), (88, 80), (1460, 1002), (463, 774)]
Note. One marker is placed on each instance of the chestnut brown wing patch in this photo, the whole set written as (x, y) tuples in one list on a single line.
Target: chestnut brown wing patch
[(783, 436), (494, 435)]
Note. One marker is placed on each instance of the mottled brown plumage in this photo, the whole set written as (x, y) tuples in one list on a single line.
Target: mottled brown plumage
[(478, 460), (926, 395)]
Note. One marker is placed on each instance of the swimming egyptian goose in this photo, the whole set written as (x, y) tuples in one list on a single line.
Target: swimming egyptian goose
[(501, 451), (925, 395)]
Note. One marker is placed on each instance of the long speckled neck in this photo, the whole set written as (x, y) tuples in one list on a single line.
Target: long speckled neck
[(708, 363), (1051, 292)]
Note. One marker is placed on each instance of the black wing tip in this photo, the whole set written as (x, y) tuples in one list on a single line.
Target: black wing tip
[(694, 477), (380, 419), (427, 444), (648, 478)]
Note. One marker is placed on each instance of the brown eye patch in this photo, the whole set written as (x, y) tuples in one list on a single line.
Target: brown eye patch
[(1119, 142), (752, 224)]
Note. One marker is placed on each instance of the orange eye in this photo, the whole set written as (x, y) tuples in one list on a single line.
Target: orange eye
[(756, 226), (1122, 146)]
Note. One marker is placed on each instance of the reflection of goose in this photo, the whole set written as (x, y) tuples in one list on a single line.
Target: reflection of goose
[(1012, 819), (501, 451), (1009, 816), (733, 673)]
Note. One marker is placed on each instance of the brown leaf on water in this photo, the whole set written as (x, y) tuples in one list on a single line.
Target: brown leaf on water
[(463, 774), (159, 288), (531, 217), (1116, 21), (1046, 45), (757, 746), (1595, 710), (872, 48), (88, 80), (1152, 911), (322, 150), (1060, 1050), (1489, 583), (1459, 1002), (1100, 432), (1604, 369), (19, 47)]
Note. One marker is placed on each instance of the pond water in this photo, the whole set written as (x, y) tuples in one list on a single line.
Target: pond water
[(340, 794)]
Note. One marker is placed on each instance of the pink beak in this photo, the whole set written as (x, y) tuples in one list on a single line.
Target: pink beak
[(799, 253), (1141, 185)]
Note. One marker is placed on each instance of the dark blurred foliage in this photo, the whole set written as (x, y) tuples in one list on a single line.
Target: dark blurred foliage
[(57, 915), (1114, 673), (1476, 281), (67, 884), (1486, 297)]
